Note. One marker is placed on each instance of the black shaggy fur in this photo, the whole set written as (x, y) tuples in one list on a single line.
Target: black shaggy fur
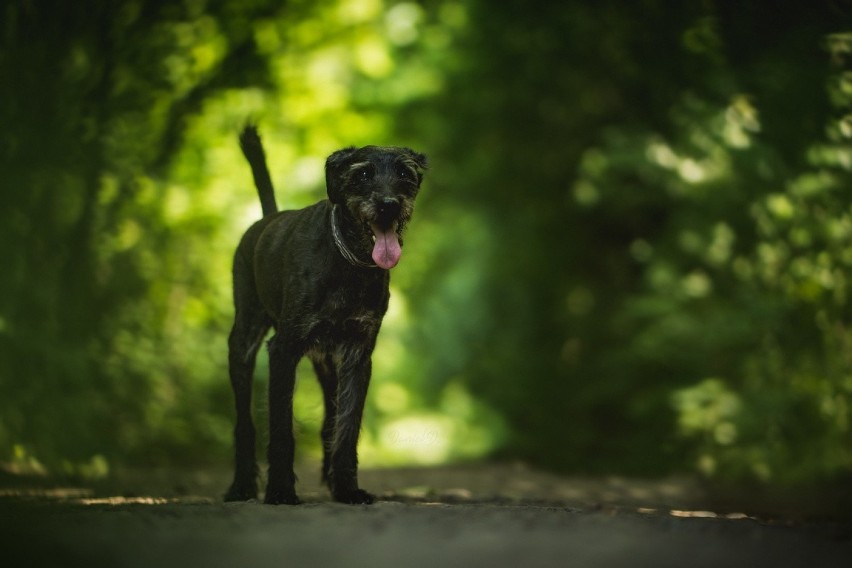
[(313, 276)]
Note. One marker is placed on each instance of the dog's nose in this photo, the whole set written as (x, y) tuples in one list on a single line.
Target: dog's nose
[(388, 207)]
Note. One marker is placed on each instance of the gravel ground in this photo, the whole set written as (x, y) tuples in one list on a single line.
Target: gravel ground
[(477, 516)]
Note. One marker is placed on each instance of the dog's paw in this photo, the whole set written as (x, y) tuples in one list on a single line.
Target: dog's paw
[(355, 497), (281, 498), (241, 492)]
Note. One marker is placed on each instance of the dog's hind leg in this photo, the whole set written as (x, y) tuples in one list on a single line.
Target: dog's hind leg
[(250, 326)]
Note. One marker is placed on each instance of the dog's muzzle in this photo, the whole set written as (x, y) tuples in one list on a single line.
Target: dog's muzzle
[(387, 211)]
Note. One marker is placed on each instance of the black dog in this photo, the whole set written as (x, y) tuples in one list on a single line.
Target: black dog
[(320, 277)]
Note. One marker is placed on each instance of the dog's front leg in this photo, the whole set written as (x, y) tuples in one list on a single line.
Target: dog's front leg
[(327, 376), (353, 369), (283, 358)]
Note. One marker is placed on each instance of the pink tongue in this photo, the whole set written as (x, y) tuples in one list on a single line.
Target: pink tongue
[(386, 251)]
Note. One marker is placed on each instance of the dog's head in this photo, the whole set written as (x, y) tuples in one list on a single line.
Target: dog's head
[(377, 187)]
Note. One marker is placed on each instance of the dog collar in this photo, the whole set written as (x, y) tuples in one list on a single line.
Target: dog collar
[(341, 246)]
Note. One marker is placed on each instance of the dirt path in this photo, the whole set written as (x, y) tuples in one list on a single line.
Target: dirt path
[(450, 517)]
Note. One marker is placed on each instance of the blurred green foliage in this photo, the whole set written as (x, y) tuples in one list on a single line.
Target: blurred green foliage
[(632, 253)]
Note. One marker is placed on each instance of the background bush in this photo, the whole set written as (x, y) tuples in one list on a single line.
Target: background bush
[(632, 253)]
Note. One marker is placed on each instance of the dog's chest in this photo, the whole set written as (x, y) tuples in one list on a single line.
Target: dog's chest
[(345, 310)]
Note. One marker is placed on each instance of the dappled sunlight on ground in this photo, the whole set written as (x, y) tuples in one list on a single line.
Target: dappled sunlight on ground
[(474, 484), (470, 516)]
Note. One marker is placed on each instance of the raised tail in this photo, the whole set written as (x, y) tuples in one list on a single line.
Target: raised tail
[(253, 151)]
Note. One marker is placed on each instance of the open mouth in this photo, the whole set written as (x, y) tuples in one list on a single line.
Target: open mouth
[(387, 249)]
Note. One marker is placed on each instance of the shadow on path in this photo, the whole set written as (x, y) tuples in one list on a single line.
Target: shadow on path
[(464, 516)]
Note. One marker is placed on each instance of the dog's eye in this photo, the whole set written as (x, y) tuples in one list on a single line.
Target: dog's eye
[(364, 174), (403, 172)]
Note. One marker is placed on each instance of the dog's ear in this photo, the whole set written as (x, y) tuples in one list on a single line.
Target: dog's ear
[(419, 159), (335, 166)]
